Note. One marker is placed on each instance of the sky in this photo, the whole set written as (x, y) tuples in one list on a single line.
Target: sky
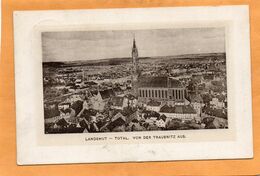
[(93, 45)]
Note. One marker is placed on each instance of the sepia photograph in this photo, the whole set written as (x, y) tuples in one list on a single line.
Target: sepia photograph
[(134, 80), (133, 85)]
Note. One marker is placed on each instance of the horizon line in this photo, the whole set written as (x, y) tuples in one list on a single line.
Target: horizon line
[(138, 57)]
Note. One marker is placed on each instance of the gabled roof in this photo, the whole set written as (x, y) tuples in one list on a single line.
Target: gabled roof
[(65, 103), (163, 117), (125, 112), (105, 94), (68, 110), (184, 109), (216, 112), (62, 122), (118, 121), (178, 109), (117, 89), (130, 96), (196, 98), (135, 121), (128, 111), (100, 124), (90, 83), (154, 103), (83, 123), (94, 92), (221, 97), (117, 116), (117, 101), (89, 112), (167, 109)]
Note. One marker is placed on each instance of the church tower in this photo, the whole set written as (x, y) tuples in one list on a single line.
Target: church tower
[(134, 68)]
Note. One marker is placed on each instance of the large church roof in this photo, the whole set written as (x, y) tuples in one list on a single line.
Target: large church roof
[(159, 82)]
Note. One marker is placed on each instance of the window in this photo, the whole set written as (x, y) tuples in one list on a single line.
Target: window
[(152, 93), (140, 93), (149, 93), (145, 93), (162, 93), (156, 93), (173, 94), (166, 94)]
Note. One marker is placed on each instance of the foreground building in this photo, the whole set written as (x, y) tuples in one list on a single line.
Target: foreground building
[(182, 112)]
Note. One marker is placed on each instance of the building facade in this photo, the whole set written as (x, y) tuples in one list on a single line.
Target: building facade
[(162, 89)]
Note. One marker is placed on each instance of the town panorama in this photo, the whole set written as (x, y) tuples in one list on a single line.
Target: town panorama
[(181, 92)]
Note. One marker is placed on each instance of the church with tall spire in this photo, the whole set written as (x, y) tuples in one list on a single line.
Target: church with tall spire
[(135, 69), (159, 88)]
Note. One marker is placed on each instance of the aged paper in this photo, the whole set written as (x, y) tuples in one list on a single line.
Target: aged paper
[(136, 82)]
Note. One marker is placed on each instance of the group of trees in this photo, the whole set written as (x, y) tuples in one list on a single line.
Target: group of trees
[(177, 124), (50, 112)]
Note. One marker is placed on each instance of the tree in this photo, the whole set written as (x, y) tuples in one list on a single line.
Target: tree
[(206, 98), (173, 125), (51, 112), (65, 91), (191, 86), (77, 106)]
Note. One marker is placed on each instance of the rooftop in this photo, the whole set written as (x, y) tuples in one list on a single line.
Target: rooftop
[(195, 98), (154, 103), (162, 82), (178, 109), (105, 94), (117, 101)]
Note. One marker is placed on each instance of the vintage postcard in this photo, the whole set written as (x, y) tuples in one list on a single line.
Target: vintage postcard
[(137, 83), (122, 81)]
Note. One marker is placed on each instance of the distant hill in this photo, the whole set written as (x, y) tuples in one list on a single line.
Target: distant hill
[(124, 60), (53, 64)]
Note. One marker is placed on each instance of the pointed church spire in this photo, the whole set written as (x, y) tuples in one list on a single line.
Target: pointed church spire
[(134, 49), (134, 67), (134, 46)]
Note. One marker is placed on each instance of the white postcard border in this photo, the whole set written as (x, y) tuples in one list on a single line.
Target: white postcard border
[(29, 92)]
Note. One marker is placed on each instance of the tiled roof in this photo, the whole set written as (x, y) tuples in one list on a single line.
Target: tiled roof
[(117, 89), (130, 96), (162, 82), (178, 109), (167, 109), (94, 92), (184, 109), (154, 103), (65, 103), (89, 112), (117, 101), (68, 110), (62, 122), (118, 121), (196, 98), (107, 93), (117, 116), (90, 83)]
